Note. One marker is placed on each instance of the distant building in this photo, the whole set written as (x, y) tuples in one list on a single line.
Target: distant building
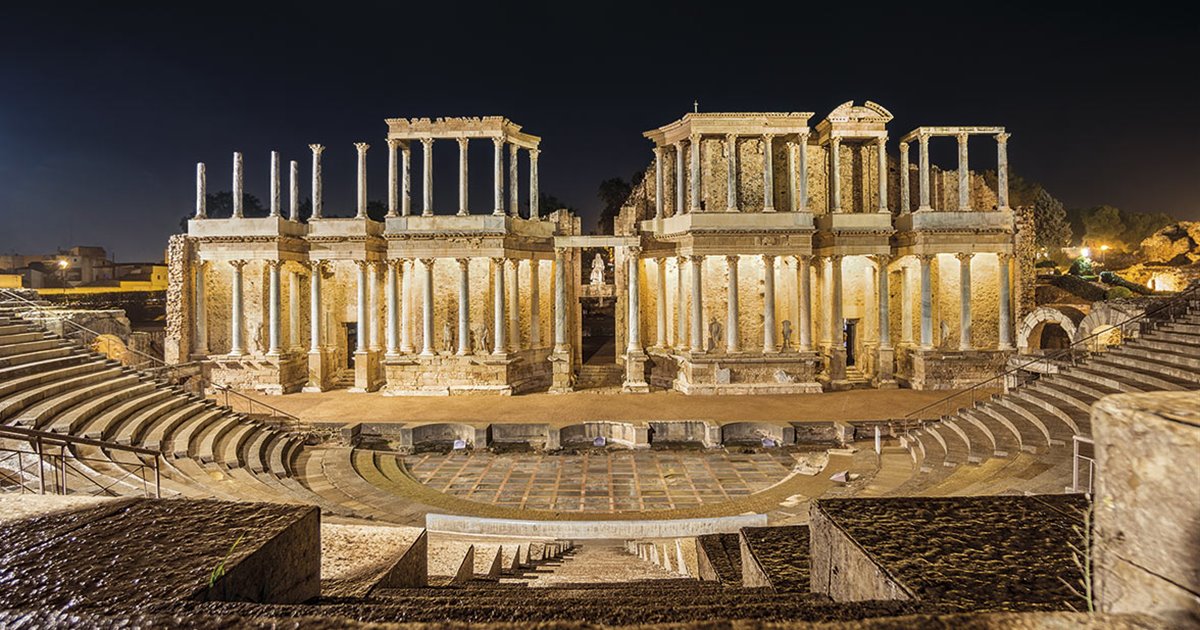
[(80, 269)]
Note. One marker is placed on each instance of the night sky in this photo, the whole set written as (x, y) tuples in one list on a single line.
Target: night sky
[(104, 112)]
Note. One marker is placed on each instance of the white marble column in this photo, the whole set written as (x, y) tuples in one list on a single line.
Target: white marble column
[(731, 204), (560, 301), (905, 201), (427, 307), (791, 176), (732, 336), (276, 192), (634, 317), (314, 303), (926, 261), (201, 192), (906, 309), (535, 303), (200, 305), (408, 269), (660, 303), (964, 287), (768, 173), (463, 188), (804, 286), (923, 172), (317, 206), (697, 325), (499, 341), (360, 326), (513, 267), (427, 175), (392, 349), (835, 174), (678, 336), (514, 190), (1002, 171), (498, 176), (658, 183), (373, 306), (534, 208), (273, 319), (393, 179), (836, 322), (464, 306), (885, 332), (679, 207), (802, 167), (294, 311), (695, 166), (238, 183), (882, 167), (1004, 268), (405, 179), (769, 345), (237, 323), (362, 147), (293, 190), (964, 175)]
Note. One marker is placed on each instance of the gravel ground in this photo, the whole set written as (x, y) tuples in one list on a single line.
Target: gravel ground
[(352, 552)]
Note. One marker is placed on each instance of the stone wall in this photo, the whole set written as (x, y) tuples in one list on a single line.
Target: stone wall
[(949, 370), (841, 569), (177, 343)]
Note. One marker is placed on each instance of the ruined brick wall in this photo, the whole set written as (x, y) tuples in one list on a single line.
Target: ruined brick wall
[(1025, 255), (177, 339)]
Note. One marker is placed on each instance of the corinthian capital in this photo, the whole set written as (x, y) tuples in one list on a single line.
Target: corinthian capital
[(317, 149), (361, 147)]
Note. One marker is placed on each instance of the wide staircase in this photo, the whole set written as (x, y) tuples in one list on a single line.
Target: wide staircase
[(600, 376)]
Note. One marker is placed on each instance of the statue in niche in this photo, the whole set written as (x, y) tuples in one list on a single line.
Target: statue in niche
[(597, 271), (944, 330), (481, 339), (714, 334), (256, 338), (447, 337), (787, 335)]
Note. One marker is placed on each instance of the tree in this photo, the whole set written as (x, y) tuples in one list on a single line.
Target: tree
[(548, 203), (612, 193), (1104, 225), (1140, 225), (1050, 228), (219, 205)]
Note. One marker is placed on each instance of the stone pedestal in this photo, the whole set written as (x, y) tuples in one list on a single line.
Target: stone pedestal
[(320, 372), (366, 372), (269, 374), (885, 369), (635, 373), (562, 378), (835, 370)]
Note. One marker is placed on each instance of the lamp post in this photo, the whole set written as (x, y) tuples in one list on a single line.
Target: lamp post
[(62, 275)]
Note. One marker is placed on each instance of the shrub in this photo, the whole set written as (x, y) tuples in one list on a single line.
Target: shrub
[(1118, 293), (1081, 267), (1045, 264)]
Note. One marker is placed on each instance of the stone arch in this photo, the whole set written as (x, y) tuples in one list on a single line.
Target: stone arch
[(1029, 333), (1106, 317)]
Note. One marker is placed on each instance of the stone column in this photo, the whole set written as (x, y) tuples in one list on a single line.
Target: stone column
[(885, 332), (836, 322), (679, 341), (293, 190), (427, 307), (634, 332), (697, 325), (276, 193), (237, 324), (1005, 318), (791, 176), (201, 306), (802, 166), (464, 306), (314, 300), (392, 349), (360, 326), (923, 168), (407, 269), (316, 149), (294, 311), (768, 173), (406, 179), (201, 192), (238, 180), (660, 304), (804, 286), (514, 191), (658, 183), (964, 175), (535, 304), (1002, 171), (905, 202), (731, 204), (560, 301), (373, 306), (695, 142), (463, 207), (964, 317), (906, 310), (499, 342), (881, 144), (498, 176), (679, 177), (514, 304), (835, 175), (534, 209), (362, 147), (273, 336), (926, 301), (769, 304), (732, 338), (822, 290), (427, 174), (393, 179)]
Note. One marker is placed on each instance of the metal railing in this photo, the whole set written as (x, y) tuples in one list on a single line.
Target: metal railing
[(1076, 457), (57, 460), (1167, 310)]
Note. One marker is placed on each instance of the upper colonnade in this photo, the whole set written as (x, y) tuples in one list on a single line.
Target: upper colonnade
[(962, 134)]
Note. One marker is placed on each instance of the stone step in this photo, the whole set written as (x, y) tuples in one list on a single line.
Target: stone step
[(16, 360), (15, 405), (1003, 440), (97, 426), (1178, 366), (72, 420), (53, 374), (158, 431), (1047, 404), (134, 427), (30, 346), (1147, 375)]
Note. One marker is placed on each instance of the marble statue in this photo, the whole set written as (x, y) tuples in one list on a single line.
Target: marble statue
[(714, 334), (787, 335), (597, 270), (447, 337)]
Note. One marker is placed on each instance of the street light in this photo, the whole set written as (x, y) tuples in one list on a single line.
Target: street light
[(62, 268), (1103, 248)]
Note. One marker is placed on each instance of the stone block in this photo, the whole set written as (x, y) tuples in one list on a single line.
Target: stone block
[(840, 568)]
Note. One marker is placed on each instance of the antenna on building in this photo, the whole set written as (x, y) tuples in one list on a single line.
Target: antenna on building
[(695, 107)]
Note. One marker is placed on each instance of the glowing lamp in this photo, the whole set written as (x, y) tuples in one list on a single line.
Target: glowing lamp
[(1086, 252)]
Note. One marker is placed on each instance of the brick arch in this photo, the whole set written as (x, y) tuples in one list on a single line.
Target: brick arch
[(1106, 315), (1030, 330)]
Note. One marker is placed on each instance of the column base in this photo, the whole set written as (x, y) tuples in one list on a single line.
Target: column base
[(366, 372), (562, 376), (885, 369), (635, 374), (319, 372)]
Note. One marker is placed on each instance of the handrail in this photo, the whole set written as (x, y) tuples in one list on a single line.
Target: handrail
[(1184, 295), (225, 389), (58, 439), (41, 439)]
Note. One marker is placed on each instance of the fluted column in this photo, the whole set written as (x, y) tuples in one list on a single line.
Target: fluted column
[(658, 183), (427, 174), (201, 192), (463, 206), (731, 204), (802, 167), (393, 179), (769, 304), (534, 208), (679, 341), (535, 304), (407, 269), (498, 176), (835, 174), (1002, 171), (361, 148), (695, 166), (464, 306), (679, 181), (405, 179), (514, 304), (360, 326), (499, 342), (905, 201), (237, 324), (804, 286), (660, 303), (791, 176), (373, 306), (906, 309), (923, 172), (314, 299), (697, 325), (836, 322), (392, 348), (200, 304), (633, 319), (317, 205), (560, 301), (885, 333), (276, 193), (822, 290), (964, 313), (926, 301), (238, 183), (964, 175), (514, 190), (293, 190), (427, 307), (768, 173), (882, 167), (273, 323), (732, 338), (1005, 317)]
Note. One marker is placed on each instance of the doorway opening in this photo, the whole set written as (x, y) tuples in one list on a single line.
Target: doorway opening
[(351, 343), (850, 338)]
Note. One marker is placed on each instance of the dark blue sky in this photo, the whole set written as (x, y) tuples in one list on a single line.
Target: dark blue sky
[(104, 111)]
